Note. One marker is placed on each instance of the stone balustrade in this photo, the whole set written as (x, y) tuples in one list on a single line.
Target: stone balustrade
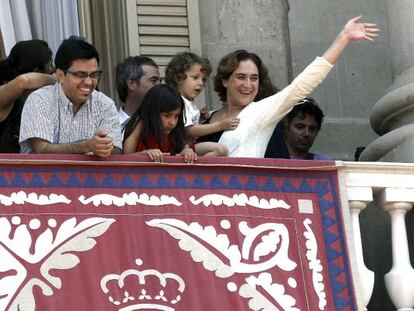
[(389, 186)]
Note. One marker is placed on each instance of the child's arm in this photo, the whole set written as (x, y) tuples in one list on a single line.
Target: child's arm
[(131, 143), (189, 155), (206, 129)]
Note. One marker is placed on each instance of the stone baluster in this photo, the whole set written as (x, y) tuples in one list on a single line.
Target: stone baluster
[(358, 198), (400, 280)]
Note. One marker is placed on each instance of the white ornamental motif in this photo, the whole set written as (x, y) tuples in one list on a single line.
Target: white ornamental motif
[(55, 252), (276, 242), (21, 198), (315, 264), (131, 198), (239, 200), (258, 302), (142, 299), (273, 245)]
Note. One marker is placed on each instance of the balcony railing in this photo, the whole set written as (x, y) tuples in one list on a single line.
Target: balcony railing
[(386, 186), (389, 186)]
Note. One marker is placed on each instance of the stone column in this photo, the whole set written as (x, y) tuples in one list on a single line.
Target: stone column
[(392, 116)]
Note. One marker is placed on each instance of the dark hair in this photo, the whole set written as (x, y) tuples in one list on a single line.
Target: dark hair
[(73, 49), (130, 69), (230, 62), (160, 98), (181, 63), (25, 56), (306, 106)]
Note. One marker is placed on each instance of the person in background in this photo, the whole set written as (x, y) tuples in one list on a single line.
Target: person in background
[(157, 127), (28, 67), (71, 116), (238, 81), (135, 76), (358, 151), (296, 133), (187, 73)]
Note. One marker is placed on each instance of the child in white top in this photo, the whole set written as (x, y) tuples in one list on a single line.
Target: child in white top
[(188, 72)]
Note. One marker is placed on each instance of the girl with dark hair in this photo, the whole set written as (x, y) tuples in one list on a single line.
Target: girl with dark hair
[(242, 80), (27, 68), (157, 127)]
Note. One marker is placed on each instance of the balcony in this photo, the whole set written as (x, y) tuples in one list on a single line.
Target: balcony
[(277, 195)]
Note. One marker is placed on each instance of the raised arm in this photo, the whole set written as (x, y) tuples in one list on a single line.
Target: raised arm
[(12, 90), (354, 30), (273, 108)]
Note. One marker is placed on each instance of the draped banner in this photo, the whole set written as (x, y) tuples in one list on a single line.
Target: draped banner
[(123, 234)]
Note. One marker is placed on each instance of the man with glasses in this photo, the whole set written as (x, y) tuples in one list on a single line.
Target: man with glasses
[(71, 116), (296, 132)]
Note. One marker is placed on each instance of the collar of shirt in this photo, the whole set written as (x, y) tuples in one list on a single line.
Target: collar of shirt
[(64, 101), (123, 117)]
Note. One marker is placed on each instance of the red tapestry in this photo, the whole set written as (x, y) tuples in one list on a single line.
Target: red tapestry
[(223, 234)]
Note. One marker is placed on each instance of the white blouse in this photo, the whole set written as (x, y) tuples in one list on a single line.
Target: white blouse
[(258, 119)]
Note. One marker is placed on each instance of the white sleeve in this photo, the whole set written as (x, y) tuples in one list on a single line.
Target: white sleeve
[(274, 108)]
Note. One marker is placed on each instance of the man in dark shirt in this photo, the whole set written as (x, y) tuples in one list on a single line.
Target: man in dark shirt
[(296, 132)]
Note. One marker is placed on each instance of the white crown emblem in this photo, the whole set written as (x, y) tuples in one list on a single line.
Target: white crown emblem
[(146, 289)]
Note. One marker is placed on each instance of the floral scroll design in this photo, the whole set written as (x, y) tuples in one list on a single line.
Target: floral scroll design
[(50, 252), (131, 198), (270, 252), (239, 200), (315, 264), (21, 198)]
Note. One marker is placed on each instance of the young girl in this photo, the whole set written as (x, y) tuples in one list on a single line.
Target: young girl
[(157, 127), (187, 73)]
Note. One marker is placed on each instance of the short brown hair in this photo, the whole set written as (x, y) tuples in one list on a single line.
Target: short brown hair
[(230, 62)]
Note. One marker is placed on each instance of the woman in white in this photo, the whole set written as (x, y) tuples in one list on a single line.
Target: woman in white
[(237, 84)]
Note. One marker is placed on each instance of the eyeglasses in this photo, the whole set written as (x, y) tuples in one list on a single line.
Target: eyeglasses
[(96, 75)]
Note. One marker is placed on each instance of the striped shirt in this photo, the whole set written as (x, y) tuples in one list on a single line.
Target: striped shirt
[(48, 114)]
